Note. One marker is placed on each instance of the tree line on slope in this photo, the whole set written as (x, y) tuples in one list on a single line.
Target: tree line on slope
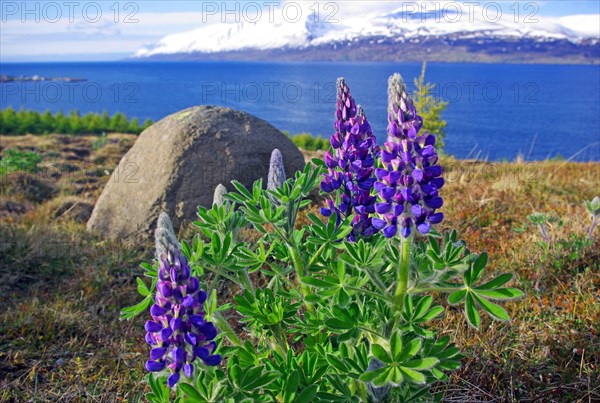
[(33, 122)]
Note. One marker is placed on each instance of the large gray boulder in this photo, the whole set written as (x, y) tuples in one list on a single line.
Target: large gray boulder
[(175, 165)]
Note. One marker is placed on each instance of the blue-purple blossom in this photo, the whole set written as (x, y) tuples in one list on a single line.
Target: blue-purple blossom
[(178, 332), (409, 181), (351, 165)]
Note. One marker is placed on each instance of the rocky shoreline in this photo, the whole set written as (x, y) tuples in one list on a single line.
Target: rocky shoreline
[(4, 78)]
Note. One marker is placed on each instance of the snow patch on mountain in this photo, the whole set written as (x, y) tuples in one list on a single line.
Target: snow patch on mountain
[(398, 25)]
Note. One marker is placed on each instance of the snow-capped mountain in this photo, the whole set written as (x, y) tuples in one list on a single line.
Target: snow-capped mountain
[(434, 33)]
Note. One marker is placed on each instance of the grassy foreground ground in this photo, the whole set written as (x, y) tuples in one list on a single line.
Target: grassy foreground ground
[(61, 289)]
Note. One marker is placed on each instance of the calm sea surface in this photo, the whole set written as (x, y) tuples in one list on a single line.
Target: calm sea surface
[(494, 111)]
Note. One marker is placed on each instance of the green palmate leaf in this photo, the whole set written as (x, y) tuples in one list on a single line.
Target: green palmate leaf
[(396, 346), (338, 324), (151, 397), (241, 189), (307, 395), (496, 282), (247, 354), (378, 377), (319, 163), (412, 375), (234, 371), (501, 293), (359, 360), (411, 349), (258, 379), (343, 298), (432, 313), (415, 316), (291, 387), (150, 271), (159, 388), (132, 311), (344, 318), (421, 364), (447, 354), (421, 307), (453, 255), (364, 255), (395, 376), (141, 287), (313, 368), (457, 296), (471, 310), (337, 363), (340, 384), (434, 245), (210, 390), (495, 311), (315, 282), (478, 266), (186, 250), (380, 353), (191, 392), (305, 203), (154, 385)]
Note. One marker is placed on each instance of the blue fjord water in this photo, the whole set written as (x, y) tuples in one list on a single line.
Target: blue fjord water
[(495, 111)]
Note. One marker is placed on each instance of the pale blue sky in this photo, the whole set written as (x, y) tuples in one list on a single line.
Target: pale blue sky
[(114, 29), (549, 8)]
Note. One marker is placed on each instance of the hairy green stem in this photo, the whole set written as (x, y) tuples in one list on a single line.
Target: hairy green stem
[(376, 281), (223, 325), (365, 291), (245, 279), (366, 330), (403, 272), (297, 259), (316, 256), (301, 272), (281, 341), (214, 283)]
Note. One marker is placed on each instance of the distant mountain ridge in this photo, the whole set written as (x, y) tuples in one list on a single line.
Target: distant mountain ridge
[(395, 36)]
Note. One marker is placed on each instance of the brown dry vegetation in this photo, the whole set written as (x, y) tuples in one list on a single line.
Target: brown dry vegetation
[(61, 289)]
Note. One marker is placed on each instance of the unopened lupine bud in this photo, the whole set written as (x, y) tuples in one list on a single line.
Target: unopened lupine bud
[(165, 239), (276, 176), (409, 182), (403, 121), (218, 199)]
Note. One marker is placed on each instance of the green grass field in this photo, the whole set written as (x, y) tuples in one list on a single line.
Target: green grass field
[(61, 289)]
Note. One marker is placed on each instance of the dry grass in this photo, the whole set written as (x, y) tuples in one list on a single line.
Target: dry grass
[(61, 289)]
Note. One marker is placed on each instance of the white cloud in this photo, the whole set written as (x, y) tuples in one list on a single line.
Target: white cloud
[(79, 37), (144, 28)]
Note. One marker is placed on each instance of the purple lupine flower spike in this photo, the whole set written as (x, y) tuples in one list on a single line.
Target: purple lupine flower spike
[(408, 184), (177, 333), (351, 165)]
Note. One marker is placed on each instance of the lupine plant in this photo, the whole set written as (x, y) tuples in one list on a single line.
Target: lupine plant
[(593, 207), (341, 310)]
